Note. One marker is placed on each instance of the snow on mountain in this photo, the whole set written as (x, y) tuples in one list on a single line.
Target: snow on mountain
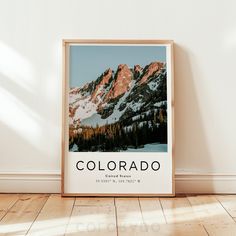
[(86, 108), (115, 96), (152, 147), (96, 119)]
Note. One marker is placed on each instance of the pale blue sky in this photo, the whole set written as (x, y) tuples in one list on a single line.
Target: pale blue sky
[(89, 62)]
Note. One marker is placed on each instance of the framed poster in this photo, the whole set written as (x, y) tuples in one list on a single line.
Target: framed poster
[(117, 134)]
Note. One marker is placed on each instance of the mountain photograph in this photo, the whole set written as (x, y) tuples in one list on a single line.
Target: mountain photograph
[(124, 109)]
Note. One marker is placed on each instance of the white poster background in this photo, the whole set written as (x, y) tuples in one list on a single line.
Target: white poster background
[(139, 182)]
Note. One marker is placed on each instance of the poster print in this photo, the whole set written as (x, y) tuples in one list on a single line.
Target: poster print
[(117, 118)]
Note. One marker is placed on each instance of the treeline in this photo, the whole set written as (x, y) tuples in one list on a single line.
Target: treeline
[(148, 128)]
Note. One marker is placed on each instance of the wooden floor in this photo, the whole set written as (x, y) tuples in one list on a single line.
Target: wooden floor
[(44, 214)]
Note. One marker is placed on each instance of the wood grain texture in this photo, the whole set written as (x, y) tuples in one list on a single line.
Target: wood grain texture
[(178, 210), (92, 221), (94, 201), (129, 217), (212, 215), (42, 214), (117, 41), (180, 218), (152, 211), (22, 214), (209, 211), (229, 203), (6, 202), (54, 216)]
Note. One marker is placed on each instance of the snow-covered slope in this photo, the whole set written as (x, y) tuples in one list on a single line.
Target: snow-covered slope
[(119, 95), (151, 147)]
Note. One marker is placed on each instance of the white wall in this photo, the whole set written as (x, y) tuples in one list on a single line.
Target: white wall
[(30, 76)]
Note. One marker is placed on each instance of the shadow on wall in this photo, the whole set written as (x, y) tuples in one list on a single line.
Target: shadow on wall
[(25, 119), (29, 135), (13, 147), (190, 138)]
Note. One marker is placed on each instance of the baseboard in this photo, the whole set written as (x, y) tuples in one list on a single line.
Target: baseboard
[(201, 183), (25, 182)]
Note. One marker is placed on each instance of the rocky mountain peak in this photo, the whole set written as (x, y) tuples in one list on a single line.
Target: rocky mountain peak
[(102, 82), (122, 67), (74, 90), (123, 73), (121, 83), (137, 71), (118, 95), (152, 69), (106, 76), (137, 68)]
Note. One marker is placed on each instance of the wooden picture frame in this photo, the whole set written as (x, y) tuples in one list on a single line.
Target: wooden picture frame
[(83, 178)]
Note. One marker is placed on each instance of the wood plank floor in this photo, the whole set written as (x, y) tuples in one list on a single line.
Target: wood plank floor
[(51, 215)]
